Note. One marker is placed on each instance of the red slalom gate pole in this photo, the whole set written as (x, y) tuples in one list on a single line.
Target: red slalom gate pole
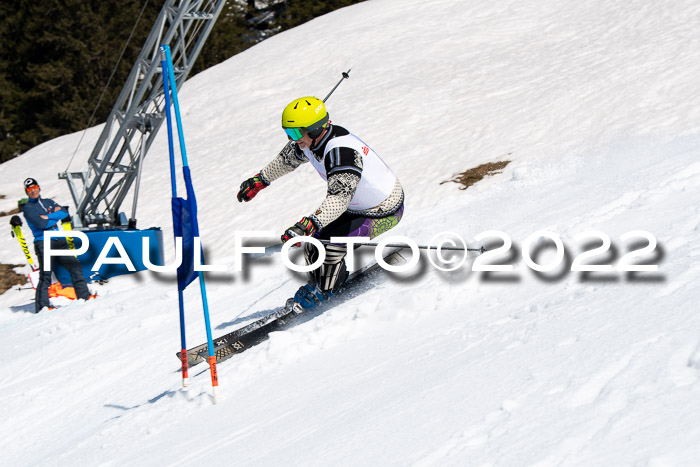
[(214, 377)]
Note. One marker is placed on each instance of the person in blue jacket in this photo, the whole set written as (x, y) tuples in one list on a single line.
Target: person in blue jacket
[(42, 215)]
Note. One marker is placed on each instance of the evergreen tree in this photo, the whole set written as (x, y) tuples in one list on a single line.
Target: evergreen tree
[(57, 56)]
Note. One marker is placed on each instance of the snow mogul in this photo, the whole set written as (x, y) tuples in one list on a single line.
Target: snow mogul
[(363, 199)]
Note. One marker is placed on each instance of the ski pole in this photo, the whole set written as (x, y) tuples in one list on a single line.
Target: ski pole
[(346, 75), (420, 247)]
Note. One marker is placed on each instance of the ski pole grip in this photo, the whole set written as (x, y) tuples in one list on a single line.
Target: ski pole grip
[(346, 75)]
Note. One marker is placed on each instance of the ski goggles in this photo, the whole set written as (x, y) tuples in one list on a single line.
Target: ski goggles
[(32, 188), (295, 134), (314, 131)]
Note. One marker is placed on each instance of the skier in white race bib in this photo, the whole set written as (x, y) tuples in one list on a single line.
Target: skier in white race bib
[(363, 198)]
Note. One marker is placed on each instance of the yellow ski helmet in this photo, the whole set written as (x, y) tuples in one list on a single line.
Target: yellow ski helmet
[(304, 115)]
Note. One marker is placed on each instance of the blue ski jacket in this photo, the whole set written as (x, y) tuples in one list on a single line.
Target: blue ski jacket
[(34, 209)]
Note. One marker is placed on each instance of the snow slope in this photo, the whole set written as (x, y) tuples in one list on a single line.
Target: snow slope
[(597, 105)]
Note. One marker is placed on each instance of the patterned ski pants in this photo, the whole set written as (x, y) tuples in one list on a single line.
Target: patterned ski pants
[(332, 273)]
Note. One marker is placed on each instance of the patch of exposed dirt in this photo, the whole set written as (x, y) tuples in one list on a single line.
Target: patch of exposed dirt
[(9, 278), (471, 176), (8, 213)]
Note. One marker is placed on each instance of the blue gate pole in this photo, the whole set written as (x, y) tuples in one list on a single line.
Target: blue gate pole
[(173, 184), (183, 152)]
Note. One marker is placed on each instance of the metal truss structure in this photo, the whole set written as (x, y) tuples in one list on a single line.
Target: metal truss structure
[(136, 117)]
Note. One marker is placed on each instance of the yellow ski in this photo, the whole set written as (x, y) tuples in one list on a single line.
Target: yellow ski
[(16, 224), (67, 226), (17, 229)]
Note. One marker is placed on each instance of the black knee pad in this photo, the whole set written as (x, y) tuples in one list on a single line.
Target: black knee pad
[(311, 255), (333, 273), (335, 279)]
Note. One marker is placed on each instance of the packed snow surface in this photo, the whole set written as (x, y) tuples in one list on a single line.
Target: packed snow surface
[(597, 105)]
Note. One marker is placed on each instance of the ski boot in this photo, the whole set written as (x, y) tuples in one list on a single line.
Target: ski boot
[(308, 297)]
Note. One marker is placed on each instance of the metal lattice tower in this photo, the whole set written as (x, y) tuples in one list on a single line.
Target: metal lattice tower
[(138, 113)]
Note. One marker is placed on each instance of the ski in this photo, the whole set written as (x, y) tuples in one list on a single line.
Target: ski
[(16, 223), (256, 332)]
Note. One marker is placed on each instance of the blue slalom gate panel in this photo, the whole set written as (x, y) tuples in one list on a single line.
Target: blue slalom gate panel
[(131, 240)]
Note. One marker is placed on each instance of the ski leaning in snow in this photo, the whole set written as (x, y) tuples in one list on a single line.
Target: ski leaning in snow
[(241, 339), (16, 223)]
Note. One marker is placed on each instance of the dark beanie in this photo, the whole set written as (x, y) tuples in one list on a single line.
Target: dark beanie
[(30, 182)]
